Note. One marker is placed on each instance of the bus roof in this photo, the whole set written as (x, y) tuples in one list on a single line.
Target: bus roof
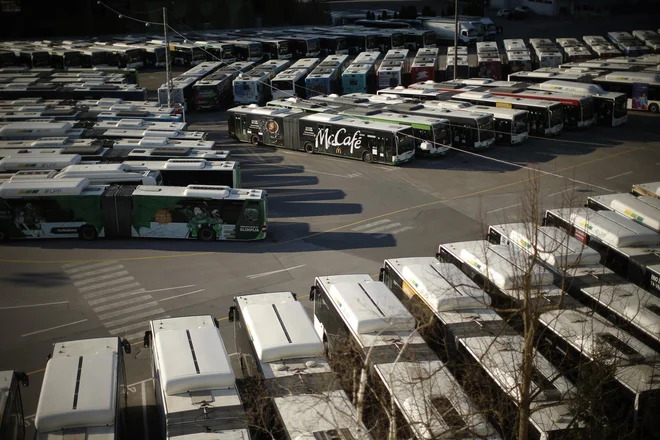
[(45, 187), (398, 118), (505, 99), (38, 162), (181, 164), (580, 89), (610, 227), (184, 369), (279, 327), (84, 372), (215, 192), (443, 286), (368, 306), (652, 188), (643, 209)]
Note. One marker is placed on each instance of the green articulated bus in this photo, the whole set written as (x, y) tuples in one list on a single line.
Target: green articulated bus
[(69, 208)]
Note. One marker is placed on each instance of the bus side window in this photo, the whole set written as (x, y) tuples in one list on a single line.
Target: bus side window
[(231, 210)]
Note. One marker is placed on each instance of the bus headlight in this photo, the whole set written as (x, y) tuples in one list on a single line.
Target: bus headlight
[(425, 146)]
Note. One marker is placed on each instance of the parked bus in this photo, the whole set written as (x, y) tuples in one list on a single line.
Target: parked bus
[(432, 136), (245, 50), (445, 299), (84, 391), (468, 130), (357, 41), (184, 172), (577, 271), (601, 46), (545, 74), (7, 58), (628, 44), (359, 78), (355, 315), (196, 392), (212, 92), (271, 329), (12, 419), (648, 37), (326, 78), (252, 87), (186, 54), (510, 125), (626, 246), (413, 39), (289, 83), (322, 133), (573, 50), (218, 51), (330, 44), (68, 208), (302, 46), (128, 56), (386, 39), (641, 88), (610, 107), (33, 58), (64, 58)]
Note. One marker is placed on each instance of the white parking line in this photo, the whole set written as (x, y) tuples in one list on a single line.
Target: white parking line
[(78, 263), (383, 228), (179, 296), (111, 290), (95, 272), (169, 288), (125, 328), (561, 192), (618, 175), (128, 310), (100, 278), (263, 274), (107, 283), (370, 225), (87, 267), (502, 209), (145, 425), (53, 328), (33, 305), (115, 297)]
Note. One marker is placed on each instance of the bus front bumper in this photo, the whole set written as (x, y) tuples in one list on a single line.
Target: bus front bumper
[(482, 145), (552, 131), (519, 138), (403, 157), (620, 121)]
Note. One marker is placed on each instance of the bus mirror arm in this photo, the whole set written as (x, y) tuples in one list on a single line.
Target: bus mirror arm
[(216, 323), (295, 296), (147, 339), (312, 292), (232, 314), (381, 274), (126, 346), (22, 378)]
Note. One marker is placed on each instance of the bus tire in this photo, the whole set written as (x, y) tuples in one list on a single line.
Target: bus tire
[(87, 232), (206, 233), (309, 148), (653, 108), (367, 157), (254, 140)]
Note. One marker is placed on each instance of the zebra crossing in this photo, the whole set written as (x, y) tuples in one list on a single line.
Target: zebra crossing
[(118, 300), (382, 228)]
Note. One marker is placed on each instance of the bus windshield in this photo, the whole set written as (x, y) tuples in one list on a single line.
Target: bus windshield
[(283, 48), (314, 45), (556, 115), (72, 59), (404, 143), (520, 123), (98, 58), (282, 85), (198, 54), (588, 109), (397, 40), (40, 59), (371, 42), (441, 134), (485, 129), (342, 43), (620, 104), (256, 50)]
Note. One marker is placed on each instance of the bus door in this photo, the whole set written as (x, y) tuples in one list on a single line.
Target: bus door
[(117, 208), (240, 125)]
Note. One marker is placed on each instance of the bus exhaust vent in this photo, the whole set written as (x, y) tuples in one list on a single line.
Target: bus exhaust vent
[(334, 434)]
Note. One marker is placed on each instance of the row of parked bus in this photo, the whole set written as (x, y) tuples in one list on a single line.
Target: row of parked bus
[(439, 339)]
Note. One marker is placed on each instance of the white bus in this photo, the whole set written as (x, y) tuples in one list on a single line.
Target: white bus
[(97, 174), (545, 52), (182, 92), (462, 66), (579, 273), (277, 344), (196, 393), (361, 318), (517, 44), (627, 246), (649, 37), (477, 342), (84, 391), (183, 172), (12, 419), (416, 94), (641, 88), (390, 73), (647, 189), (519, 61), (510, 125), (601, 46), (611, 108), (489, 61), (573, 50), (252, 87), (289, 83)]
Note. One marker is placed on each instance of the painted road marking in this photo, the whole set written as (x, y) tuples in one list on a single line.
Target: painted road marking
[(259, 275), (87, 267), (179, 296), (170, 288), (110, 290), (502, 209), (106, 284), (618, 175), (370, 225), (25, 306), (127, 302), (396, 231), (125, 328), (561, 192), (127, 310), (54, 328), (115, 297), (94, 272), (108, 276), (126, 319), (384, 228)]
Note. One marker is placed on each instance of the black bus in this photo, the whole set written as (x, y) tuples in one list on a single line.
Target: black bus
[(33, 58)]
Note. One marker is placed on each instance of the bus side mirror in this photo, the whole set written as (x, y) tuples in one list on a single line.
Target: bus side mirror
[(232, 314), (312, 292), (126, 346), (216, 323), (147, 339), (22, 378), (295, 296), (381, 274)]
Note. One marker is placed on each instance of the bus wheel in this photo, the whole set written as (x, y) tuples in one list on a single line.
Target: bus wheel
[(653, 108), (309, 147), (367, 157), (87, 232), (206, 234), (254, 140)]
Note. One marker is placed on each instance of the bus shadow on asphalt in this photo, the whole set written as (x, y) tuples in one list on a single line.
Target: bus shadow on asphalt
[(269, 181), (43, 280), (135, 424)]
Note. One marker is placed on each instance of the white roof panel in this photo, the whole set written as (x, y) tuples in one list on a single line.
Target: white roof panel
[(38, 162), (43, 187), (645, 211), (651, 189), (610, 227), (281, 331), (370, 307), (193, 360), (79, 399)]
